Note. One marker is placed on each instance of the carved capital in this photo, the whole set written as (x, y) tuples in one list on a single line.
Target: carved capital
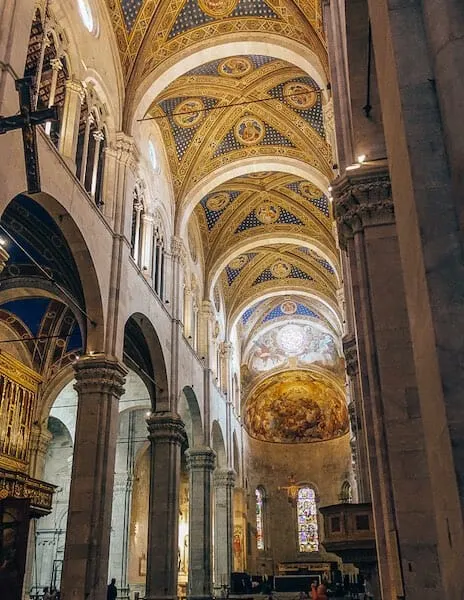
[(166, 427), (178, 251), (98, 136), (350, 350), (99, 374), (224, 478), (126, 150), (362, 199), (74, 86), (226, 349), (56, 64), (200, 459)]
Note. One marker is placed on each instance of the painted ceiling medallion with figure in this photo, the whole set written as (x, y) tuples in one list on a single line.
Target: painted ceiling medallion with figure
[(281, 269), (288, 307), (308, 190), (237, 66), (218, 202), (239, 262), (189, 113), (249, 130), (267, 212), (217, 8), (300, 95)]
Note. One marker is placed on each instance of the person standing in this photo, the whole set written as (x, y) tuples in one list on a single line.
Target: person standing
[(112, 590)]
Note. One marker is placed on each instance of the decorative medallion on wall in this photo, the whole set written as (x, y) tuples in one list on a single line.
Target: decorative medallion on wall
[(189, 113), (239, 262), (296, 406), (249, 130), (237, 66), (281, 269), (267, 212), (308, 190), (288, 307), (300, 95), (217, 8), (218, 202)]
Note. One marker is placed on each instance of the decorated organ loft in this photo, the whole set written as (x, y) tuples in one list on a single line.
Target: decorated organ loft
[(219, 308)]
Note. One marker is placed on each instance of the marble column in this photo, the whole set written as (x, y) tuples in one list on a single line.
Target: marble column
[(99, 385), (200, 464), (400, 481), (70, 120), (167, 435), (224, 481)]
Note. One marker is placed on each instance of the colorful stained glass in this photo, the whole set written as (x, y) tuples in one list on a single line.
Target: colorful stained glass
[(308, 538), (259, 519)]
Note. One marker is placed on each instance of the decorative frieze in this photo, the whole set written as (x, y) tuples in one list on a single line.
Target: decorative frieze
[(19, 485), (224, 478), (362, 199)]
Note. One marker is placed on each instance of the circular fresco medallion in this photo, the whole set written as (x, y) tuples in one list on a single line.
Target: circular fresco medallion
[(237, 66), (217, 202), (189, 113), (249, 130), (281, 269), (300, 95), (288, 307), (267, 212), (217, 8), (239, 262), (308, 190)]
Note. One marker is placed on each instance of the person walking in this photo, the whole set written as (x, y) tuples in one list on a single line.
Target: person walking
[(112, 590)]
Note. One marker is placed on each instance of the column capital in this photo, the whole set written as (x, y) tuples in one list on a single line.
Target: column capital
[(363, 198), (178, 251), (126, 150), (99, 373), (56, 64), (350, 350), (201, 458), (98, 136), (224, 478), (74, 85), (166, 427)]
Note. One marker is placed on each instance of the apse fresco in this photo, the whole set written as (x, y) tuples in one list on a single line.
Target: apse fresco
[(293, 343), (296, 406)]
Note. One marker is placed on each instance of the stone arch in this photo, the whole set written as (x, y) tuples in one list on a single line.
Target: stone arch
[(239, 168), (189, 411), (218, 445), (265, 44), (50, 208), (143, 353)]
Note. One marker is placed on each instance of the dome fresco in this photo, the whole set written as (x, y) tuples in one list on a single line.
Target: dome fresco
[(294, 407)]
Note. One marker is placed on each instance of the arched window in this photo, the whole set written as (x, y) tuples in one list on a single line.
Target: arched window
[(259, 518), (308, 538), (86, 15), (152, 155), (346, 494)]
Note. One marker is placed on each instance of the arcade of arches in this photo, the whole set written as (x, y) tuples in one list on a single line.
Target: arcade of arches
[(231, 349)]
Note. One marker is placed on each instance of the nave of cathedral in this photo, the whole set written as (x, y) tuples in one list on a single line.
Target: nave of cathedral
[(231, 298)]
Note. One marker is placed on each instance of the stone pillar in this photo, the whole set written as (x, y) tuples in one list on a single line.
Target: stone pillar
[(358, 439), (40, 438), (400, 480), (205, 331), (99, 384), (98, 137), (85, 148), (167, 435), (56, 65), (224, 481), (70, 120), (200, 464)]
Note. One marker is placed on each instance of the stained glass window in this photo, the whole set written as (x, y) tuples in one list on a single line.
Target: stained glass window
[(259, 519), (308, 538)]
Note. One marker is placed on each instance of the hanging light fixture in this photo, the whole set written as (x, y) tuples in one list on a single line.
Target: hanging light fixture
[(292, 489)]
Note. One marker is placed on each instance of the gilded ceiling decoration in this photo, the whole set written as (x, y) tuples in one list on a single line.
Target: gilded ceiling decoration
[(148, 32), (242, 106), (296, 406)]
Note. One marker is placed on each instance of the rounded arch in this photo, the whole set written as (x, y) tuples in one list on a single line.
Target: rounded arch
[(80, 253), (280, 164), (218, 445), (189, 411), (270, 239), (331, 312), (143, 353), (265, 44)]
